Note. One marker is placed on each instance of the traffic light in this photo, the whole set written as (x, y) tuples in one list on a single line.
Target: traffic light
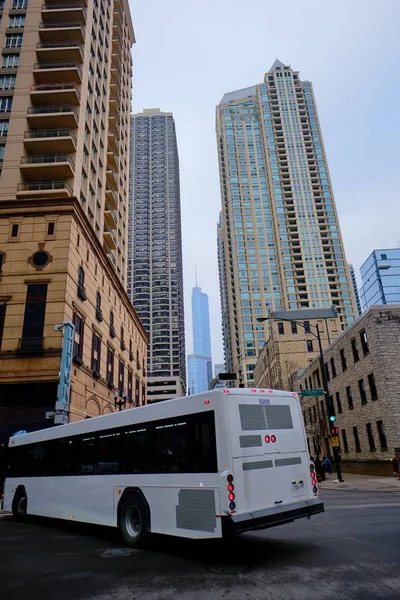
[(334, 430), (332, 418)]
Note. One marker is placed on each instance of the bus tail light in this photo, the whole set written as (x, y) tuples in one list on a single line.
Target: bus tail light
[(267, 439), (231, 495), (273, 439), (314, 482)]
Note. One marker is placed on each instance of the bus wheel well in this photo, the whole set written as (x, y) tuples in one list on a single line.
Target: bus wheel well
[(133, 491), (20, 492)]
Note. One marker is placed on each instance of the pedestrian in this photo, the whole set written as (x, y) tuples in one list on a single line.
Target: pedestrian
[(327, 465), (396, 465)]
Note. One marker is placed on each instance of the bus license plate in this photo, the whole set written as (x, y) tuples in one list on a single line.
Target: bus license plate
[(298, 488)]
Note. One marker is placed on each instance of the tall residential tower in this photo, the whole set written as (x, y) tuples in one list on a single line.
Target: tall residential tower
[(280, 245), (380, 275), (155, 271), (199, 363), (64, 150)]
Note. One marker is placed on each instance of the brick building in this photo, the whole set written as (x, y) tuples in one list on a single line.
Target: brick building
[(363, 371)]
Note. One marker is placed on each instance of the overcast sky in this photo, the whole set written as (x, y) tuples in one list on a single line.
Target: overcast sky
[(189, 53)]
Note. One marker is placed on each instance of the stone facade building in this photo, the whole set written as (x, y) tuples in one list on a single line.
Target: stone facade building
[(363, 371), (291, 346)]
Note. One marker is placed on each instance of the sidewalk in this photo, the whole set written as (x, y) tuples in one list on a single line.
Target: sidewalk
[(361, 483)]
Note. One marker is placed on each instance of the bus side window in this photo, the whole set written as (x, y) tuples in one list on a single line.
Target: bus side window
[(137, 450), (173, 446), (205, 444), (109, 453)]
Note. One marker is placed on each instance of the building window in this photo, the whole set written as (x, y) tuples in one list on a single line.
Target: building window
[(17, 21), (51, 228), (349, 397), (6, 104), (2, 260), (99, 314), (328, 376), (310, 346), (363, 395), (294, 327), (356, 439), (322, 404), (35, 309), (314, 408), (10, 61), (307, 328), (130, 386), (2, 320), (364, 342), (78, 339), (372, 386), (354, 349), (339, 403), (3, 128), (19, 4), (281, 328), (81, 283), (345, 444), (370, 435), (137, 399), (14, 230), (333, 367), (96, 355), (382, 435), (383, 256), (143, 395), (110, 366), (123, 345), (112, 326), (318, 379), (14, 41), (7, 82), (121, 379), (343, 361)]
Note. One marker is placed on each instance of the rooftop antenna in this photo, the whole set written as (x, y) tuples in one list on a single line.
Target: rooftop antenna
[(195, 271)]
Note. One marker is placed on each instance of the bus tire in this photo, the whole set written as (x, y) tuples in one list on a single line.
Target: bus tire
[(20, 504), (133, 521)]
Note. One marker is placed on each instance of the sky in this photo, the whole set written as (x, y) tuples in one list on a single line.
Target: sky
[(188, 54)]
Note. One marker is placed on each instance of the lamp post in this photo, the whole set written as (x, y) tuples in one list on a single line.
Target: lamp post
[(322, 313), (119, 402)]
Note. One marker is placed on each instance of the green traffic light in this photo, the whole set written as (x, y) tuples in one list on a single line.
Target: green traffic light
[(332, 418)]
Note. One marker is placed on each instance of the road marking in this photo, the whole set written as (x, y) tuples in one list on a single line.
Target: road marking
[(380, 505)]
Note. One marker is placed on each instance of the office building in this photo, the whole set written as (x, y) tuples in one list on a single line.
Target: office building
[(155, 273), (365, 398), (380, 275), (65, 107), (355, 289), (199, 363), (219, 368), (225, 316), (280, 236)]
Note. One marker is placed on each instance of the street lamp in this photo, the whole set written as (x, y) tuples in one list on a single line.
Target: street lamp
[(313, 314), (119, 402)]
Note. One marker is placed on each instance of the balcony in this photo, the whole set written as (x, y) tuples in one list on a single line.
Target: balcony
[(111, 179), (55, 3), (55, 188), (111, 218), (52, 117), (32, 345), (47, 166), (64, 12), (62, 51), (71, 31), (48, 141), (110, 238), (47, 93), (113, 125), (112, 143), (56, 72), (111, 198), (112, 160)]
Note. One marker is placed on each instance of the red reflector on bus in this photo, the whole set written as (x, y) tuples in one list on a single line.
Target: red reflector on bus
[(206, 402), (231, 487), (229, 478), (273, 438), (231, 497), (267, 439)]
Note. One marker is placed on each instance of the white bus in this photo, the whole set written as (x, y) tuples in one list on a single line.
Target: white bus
[(203, 466)]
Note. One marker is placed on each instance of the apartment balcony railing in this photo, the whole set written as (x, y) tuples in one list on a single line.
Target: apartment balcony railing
[(53, 117), (54, 72), (54, 188), (64, 10), (44, 93), (62, 51), (111, 216), (47, 141), (47, 166), (111, 198), (64, 31), (110, 238)]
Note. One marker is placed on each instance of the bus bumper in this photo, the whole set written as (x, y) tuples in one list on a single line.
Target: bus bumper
[(271, 517)]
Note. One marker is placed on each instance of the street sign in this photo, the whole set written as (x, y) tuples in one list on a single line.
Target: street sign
[(312, 393), (335, 441)]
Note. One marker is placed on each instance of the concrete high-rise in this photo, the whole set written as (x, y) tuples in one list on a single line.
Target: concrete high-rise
[(280, 245), (64, 149), (380, 275), (199, 363), (355, 289), (155, 271)]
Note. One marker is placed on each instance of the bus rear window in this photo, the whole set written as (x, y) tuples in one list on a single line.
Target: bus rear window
[(262, 418)]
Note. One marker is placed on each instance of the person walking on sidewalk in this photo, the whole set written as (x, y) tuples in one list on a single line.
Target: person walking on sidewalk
[(327, 465), (396, 465)]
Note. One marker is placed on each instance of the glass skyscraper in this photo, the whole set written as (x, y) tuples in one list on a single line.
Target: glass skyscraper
[(380, 275), (199, 363), (155, 272), (279, 239)]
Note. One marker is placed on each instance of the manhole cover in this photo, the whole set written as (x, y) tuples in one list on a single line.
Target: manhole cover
[(118, 552), (228, 569)]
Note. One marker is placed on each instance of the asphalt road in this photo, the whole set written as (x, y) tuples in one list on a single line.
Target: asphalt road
[(351, 551)]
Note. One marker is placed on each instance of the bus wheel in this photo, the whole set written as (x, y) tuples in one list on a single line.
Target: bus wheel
[(133, 521), (19, 505)]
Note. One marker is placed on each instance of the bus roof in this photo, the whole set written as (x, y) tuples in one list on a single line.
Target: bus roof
[(152, 412)]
